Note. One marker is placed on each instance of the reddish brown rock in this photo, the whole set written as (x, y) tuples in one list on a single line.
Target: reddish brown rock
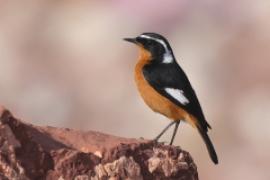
[(33, 152)]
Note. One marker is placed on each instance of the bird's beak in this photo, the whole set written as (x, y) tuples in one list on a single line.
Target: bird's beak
[(132, 40)]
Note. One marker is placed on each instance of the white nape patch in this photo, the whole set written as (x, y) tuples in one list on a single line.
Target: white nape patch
[(178, 95), (167, 57)]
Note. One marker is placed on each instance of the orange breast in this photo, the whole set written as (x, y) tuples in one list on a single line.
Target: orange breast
[(153, 99)]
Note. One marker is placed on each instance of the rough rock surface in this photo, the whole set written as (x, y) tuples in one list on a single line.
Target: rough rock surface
[(33, 152)]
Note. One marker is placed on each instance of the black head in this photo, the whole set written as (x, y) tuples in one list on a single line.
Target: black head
[(156, 44)]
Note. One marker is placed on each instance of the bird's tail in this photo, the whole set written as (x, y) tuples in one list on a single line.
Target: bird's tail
[(209, 145)]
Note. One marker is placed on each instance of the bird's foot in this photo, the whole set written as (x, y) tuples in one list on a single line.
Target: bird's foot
[(156, 141)]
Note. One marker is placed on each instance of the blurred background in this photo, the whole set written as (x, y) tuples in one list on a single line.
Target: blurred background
[(64, 64)]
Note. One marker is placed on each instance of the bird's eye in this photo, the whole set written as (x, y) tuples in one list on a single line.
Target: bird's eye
[(150, 43)]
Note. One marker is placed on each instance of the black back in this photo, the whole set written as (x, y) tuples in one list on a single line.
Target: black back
[(161, 75)]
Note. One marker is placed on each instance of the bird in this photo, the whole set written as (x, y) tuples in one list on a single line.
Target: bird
[(165, 87)]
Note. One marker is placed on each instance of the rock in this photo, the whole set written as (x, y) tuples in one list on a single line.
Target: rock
[(34, 152)]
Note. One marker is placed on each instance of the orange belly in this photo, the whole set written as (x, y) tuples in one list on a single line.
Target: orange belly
[(156, 101)]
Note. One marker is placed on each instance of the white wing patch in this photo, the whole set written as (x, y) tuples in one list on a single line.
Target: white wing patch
[(178, 95), (168, 58)]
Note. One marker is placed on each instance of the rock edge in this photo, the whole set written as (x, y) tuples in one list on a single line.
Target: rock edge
[(34, 152)]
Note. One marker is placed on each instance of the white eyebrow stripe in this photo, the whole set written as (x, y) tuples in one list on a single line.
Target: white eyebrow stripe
[(167, 55), (155, 39), (178, 95)]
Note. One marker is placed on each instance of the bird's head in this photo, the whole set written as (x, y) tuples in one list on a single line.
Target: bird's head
[(158, 47)]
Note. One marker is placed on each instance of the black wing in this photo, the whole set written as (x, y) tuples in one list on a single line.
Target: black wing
[(161, 76)]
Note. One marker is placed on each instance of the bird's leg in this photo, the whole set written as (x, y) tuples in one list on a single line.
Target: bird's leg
[(175, 130), (164, 130)]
